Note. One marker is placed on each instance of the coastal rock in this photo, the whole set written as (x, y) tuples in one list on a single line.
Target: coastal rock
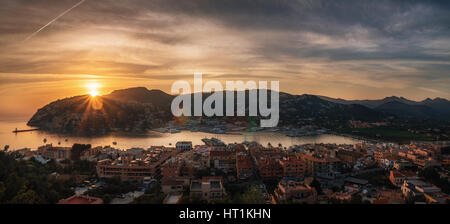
[(85, 115)]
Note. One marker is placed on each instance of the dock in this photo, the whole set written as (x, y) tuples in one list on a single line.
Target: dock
[(25, 130)]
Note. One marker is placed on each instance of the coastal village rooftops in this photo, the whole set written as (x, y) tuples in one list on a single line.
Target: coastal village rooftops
[(215, 153), (147, 159), (292, 184), (423, 187), (319, 158), (381, 201), (184, 142), (238, 148), (291, 159), (104, 161), (295, 190), (406, 174), (212, 182), (171, 181), (209, 188), (81, 199), (244, 162), (173, 198), (356, 181), (196, 185)]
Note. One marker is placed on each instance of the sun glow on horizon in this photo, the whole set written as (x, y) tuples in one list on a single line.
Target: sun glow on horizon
[(93, 93), (93, 89)]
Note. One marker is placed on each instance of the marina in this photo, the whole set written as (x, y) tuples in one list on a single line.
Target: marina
[(34, 139)]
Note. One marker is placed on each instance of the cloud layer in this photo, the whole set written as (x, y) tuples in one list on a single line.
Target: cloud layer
[(347, 49)]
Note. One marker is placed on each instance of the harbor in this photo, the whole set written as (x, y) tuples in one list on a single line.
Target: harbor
[(34, 139)]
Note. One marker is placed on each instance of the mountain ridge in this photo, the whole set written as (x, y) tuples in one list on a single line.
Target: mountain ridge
[(437, 108), (139, 109)]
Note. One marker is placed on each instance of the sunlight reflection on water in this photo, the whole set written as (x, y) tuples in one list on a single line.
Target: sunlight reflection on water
[(34, 139)]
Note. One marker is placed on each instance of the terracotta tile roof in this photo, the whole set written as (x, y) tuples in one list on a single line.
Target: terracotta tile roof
[(81, 200)]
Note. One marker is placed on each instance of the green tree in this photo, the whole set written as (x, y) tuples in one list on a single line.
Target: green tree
[(106, 198), (150, 199), (431, 175), (2, 191), (410, 199), (193, 199), (26, 196), (252, 196), (316, 184), (26, 182)]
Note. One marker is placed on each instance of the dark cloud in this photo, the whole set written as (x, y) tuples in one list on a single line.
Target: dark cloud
[(393, 39)]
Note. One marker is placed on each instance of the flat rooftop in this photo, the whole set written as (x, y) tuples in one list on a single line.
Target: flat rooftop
[(173, 199)]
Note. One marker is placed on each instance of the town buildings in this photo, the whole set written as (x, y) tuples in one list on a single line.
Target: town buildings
[(269, 168), (321, 165), (222, 159), (418, 188), (56, 153), (296, 192), (184, 145), (81, 200), (208, 188), (244, 166), (293, 166), (397, 178), (129, 168), (343, 172)]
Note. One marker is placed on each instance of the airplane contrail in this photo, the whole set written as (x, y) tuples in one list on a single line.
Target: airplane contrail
[(53, 20)]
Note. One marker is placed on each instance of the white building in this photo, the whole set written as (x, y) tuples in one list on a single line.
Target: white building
[(184, 145)]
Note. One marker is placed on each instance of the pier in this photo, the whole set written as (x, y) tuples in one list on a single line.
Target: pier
[(25, 130)]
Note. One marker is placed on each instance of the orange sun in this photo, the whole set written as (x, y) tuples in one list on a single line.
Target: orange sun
[(93, 89), (93, 93)]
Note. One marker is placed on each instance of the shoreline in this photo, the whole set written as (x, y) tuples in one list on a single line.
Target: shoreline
[(167, 139)]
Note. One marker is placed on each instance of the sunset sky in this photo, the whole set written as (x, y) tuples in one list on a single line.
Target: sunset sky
[(347, 49)]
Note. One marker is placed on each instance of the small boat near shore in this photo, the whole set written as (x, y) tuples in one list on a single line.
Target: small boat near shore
[(234, 133)]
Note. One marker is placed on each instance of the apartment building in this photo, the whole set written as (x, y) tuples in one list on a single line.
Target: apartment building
[(57, 153), (269, 168), (183, 146), (127, 168), (244, 166), (348, 156), (295, 191), (208, 188), (293, 167), (320, 165), (398, 177), (222, 159)]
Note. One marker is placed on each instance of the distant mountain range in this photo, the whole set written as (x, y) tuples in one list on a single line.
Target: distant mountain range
[(437, 108), (139, 109)]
